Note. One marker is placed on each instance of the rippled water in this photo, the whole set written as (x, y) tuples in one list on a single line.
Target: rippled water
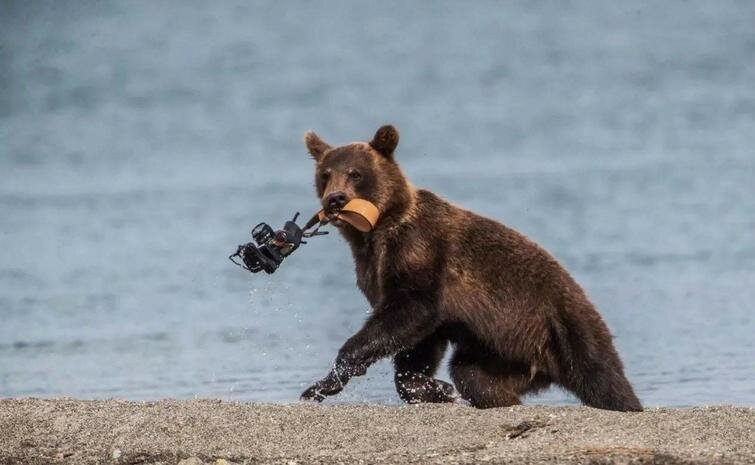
[(141, 140)]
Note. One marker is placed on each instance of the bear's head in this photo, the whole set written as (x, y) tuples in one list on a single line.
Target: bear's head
[(364, 170)]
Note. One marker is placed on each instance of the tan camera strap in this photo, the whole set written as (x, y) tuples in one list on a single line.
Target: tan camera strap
[(360, 213)]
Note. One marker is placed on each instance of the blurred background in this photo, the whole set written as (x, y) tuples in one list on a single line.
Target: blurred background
[(140, 141)]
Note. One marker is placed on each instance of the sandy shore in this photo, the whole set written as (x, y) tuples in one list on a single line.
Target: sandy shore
[(205, 431)]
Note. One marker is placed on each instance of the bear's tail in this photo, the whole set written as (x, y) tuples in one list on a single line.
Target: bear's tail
[(588, 364)]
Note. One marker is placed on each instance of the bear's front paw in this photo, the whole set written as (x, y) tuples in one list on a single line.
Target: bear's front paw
[(328, 386)]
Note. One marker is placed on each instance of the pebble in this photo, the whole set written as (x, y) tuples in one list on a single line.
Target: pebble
[(191, 461)]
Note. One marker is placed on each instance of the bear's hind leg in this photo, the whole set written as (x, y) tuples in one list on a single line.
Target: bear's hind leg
[(478, 386), (602, 384), (590, 365), (415, 369), (487, 380)]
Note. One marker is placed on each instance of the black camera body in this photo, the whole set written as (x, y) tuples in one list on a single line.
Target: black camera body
[(270, 247)]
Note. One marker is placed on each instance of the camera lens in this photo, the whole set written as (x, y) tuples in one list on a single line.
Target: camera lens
[(262, 233)]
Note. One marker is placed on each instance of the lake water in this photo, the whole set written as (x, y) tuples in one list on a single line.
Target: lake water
[(140, 141)]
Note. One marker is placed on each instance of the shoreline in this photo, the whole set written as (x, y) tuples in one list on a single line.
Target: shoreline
[(37, 431)]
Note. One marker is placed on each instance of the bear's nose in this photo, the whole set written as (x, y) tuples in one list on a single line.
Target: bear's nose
[(336, 200)]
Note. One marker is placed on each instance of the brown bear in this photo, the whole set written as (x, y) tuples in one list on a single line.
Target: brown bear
[(436, 274)]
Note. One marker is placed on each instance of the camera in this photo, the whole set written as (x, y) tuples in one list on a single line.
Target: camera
[(270, 247)]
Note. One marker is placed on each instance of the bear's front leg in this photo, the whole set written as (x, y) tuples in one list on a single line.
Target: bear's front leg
[(392, 327)]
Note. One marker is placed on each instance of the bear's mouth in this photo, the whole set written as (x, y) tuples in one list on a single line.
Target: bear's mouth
[(359, 213), (334, 219), (331, 214)]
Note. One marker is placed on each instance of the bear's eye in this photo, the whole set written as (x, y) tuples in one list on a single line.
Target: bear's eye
[(325, 176), (355, 175)]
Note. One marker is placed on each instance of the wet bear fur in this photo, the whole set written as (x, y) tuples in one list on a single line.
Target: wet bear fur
[(436, 274)]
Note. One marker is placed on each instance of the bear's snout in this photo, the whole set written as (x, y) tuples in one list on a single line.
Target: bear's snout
[(335, 201)]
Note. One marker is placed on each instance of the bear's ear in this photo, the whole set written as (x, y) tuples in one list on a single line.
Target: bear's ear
[(316, 146), (385, 141)]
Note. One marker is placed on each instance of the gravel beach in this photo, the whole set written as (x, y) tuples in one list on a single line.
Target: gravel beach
[(209, 431)]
